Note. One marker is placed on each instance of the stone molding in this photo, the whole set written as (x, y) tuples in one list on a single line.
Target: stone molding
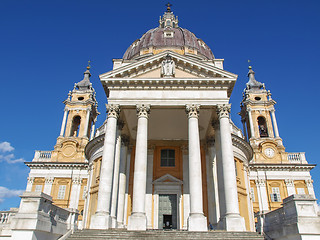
[(223, 110), (260, 182), (49, 180), (243, 145), (143, 110), (113, 110), (280, 167), (289, 182), (192, 110), (57, 165)]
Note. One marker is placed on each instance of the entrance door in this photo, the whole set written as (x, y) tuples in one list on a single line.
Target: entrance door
[(167, 211)]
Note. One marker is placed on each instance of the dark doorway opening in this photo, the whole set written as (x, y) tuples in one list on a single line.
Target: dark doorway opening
[(167, 221)]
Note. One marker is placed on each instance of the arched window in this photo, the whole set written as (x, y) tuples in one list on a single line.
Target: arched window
[(263, 130), (75, 126)]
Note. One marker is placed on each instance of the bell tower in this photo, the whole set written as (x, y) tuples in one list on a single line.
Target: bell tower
[(78, 122), (259, 122)]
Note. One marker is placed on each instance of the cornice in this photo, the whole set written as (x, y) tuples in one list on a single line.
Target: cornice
[(243, 145), (259, 103), (93, 145), (281, 167), (57, 165)]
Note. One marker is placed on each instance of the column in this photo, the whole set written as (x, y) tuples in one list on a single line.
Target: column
[(275, 125), (251, 123), (75, 192), (262, 195), (244, 129), (138, 221), (63, 125), (92, 130), (85, 131), (309, 183), (196, 221), (126, 197), (231, 220), (87, 196), (186, 192), (149, 188), (249, 202), (211, 182), (115, 187), (48, 185), (290, 187), (101, 219), (122, 181), (29, 184)]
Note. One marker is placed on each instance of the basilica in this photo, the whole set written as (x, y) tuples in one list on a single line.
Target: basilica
[(168, 156)]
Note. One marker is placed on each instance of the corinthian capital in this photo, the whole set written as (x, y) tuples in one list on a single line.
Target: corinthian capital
[(143, 110), (223, 110), (113, 110), (30, 180), (192, 110), (49, 180)]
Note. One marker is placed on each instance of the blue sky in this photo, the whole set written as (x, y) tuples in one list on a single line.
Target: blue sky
[(45, 46)]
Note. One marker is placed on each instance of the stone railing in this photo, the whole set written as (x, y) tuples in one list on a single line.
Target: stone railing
[(42, 156), (299, 157), (5, 221), (37, 215)]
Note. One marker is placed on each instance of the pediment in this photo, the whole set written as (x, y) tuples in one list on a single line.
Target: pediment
[(167, 179), (186, 67)]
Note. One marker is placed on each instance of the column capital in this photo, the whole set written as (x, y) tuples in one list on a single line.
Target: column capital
[(113, 110), (49, 180), (143, 110), (30, 180), (192, 110), (309, 182), (289, 182), (223, 110), (260, 182), (76, 180)]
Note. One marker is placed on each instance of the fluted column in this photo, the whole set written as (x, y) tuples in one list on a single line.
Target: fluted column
[(48, 185), (275, 125), (262, 195), (290, 186), (115, 187), (309, 183), (29, 184), (138, 221), (75, 192), (63, 125), (196, 221), (231, 220), (122, 181), (101, 219)]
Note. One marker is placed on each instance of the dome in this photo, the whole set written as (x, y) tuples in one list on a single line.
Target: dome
[(168, 36)]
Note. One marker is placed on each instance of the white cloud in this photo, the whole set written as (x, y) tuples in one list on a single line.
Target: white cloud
[(7, 193), (6, 147)]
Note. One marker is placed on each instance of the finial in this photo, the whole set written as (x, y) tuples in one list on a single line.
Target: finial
[(249, 61), (168, 7), (89, 66)]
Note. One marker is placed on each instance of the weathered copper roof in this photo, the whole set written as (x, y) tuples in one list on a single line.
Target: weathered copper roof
[(156, 38)]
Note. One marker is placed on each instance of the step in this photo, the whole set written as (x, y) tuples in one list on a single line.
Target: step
[(160, 234)]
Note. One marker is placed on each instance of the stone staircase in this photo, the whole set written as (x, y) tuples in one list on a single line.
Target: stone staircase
[(158, 234)]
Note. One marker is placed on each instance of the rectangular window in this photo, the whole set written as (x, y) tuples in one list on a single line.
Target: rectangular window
[(38, 188), (167, 158), (275, 195), (301, 191), (62, 191), (252, 194)]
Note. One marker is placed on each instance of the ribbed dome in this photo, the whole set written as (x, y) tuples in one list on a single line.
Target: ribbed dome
[(179, 38)]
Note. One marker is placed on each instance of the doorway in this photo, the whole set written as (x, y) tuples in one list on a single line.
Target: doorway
[(167, 211)]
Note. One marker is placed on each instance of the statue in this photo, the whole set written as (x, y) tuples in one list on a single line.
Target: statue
[(168, 67)]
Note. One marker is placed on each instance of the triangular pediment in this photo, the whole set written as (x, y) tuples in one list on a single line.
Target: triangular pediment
[(168, 179), (186, 67)]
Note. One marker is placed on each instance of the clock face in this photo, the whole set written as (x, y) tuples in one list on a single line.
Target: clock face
[(269, 152)]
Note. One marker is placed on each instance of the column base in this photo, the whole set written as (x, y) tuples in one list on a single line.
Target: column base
[(113, 222), (100, 220), (232, 223), (120, 225), (197, 222), (137, 222)]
